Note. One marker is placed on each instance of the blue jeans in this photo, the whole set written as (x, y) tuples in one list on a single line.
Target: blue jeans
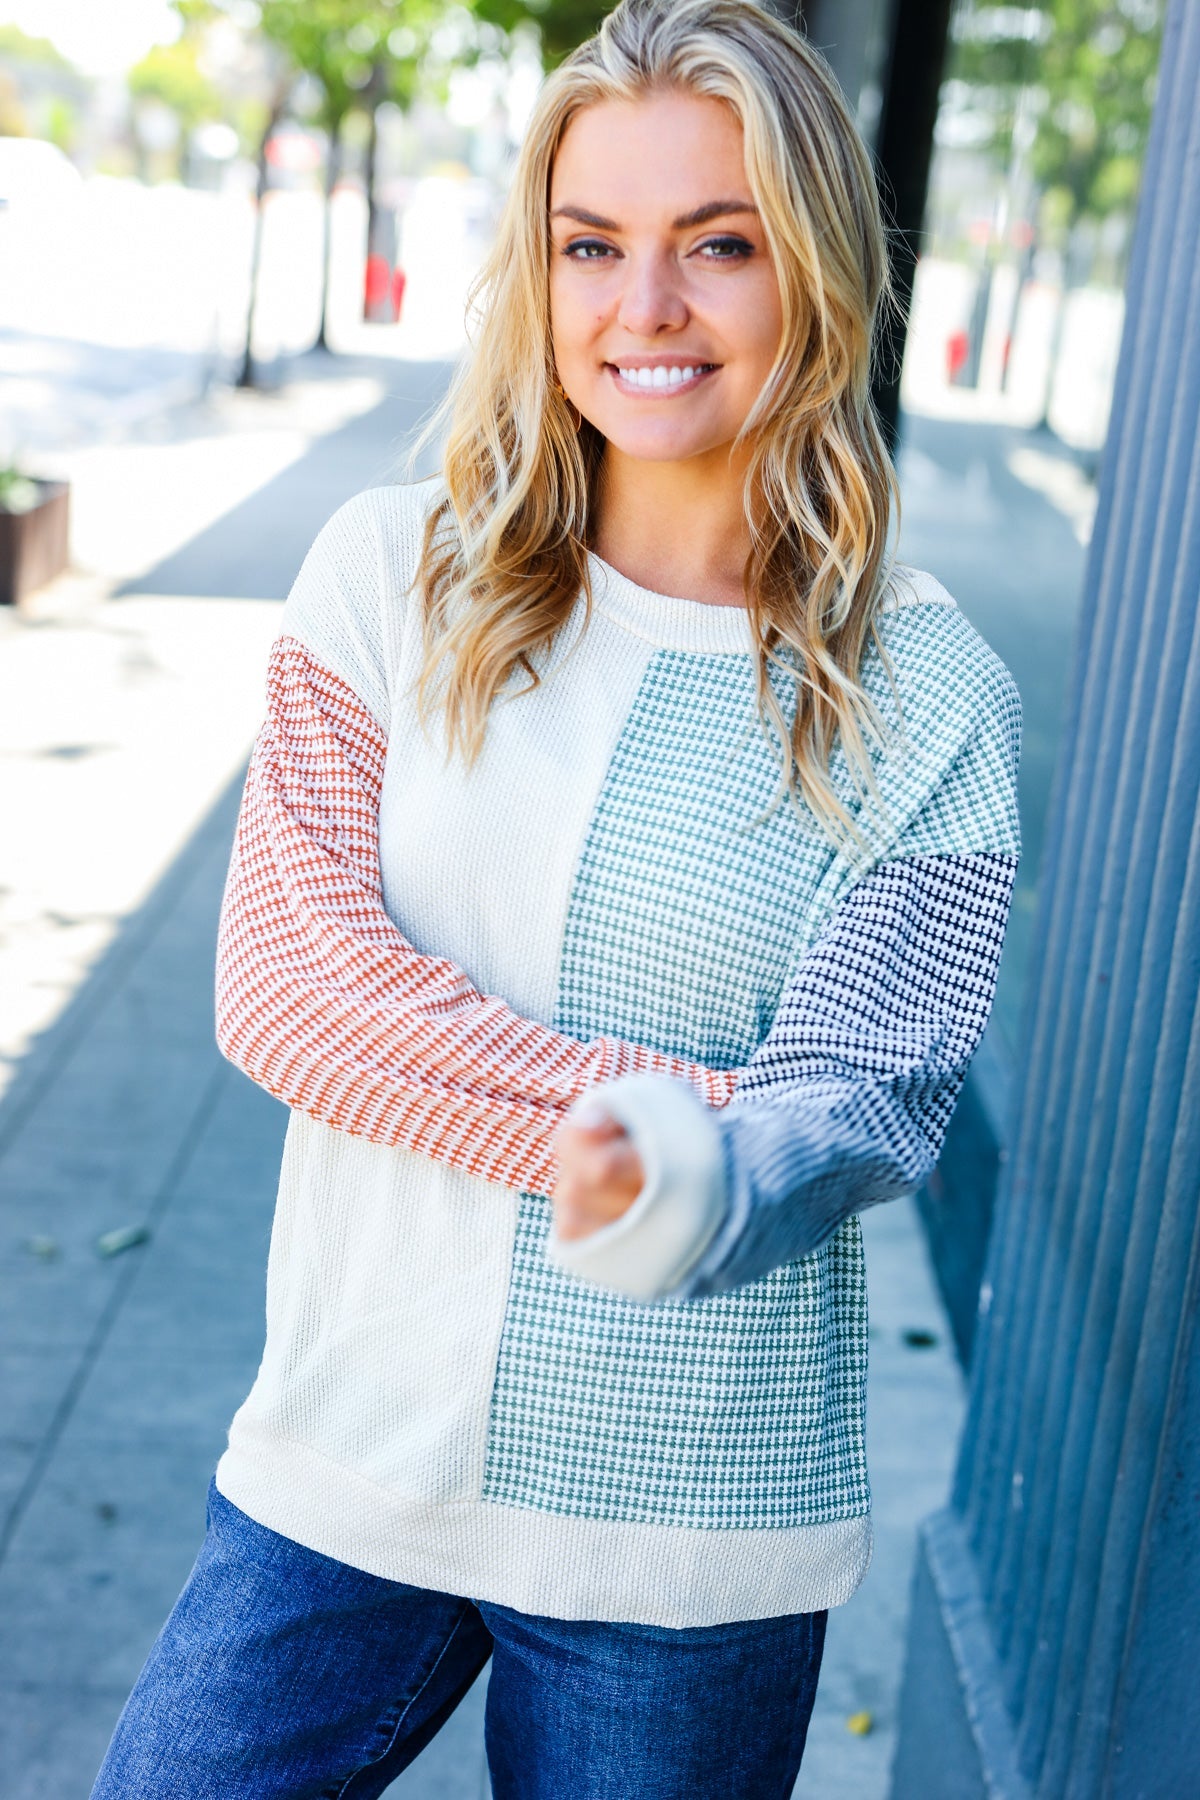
[(284, 1675)]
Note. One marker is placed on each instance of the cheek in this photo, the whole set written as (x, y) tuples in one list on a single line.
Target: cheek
[(570, 322), (762, 336), (575, 321), (768, 311), (559, 318), (761, 319)]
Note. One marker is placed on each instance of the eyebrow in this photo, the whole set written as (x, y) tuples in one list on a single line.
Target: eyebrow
[(703, 215)]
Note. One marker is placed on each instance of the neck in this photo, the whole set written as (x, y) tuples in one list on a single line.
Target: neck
[(675, 528)]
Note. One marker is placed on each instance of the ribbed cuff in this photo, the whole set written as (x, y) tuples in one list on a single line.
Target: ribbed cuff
[(647, 1253)]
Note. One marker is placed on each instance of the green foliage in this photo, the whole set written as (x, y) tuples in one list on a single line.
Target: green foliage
[(61, 123), (40, 89), (561, 24), (171, 74), (359, 52), (18, 494), (344, 45), (1099, 71), (1089, 67), (17, 46)]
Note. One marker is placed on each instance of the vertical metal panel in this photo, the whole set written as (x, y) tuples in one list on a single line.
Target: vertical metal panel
[(1133, 1126), (1094, 1199), (1111, 632), (1066, 1490), (1113, 1492), (1155, 1697), (1059, 947)]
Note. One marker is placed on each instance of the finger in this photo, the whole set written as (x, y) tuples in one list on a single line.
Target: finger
[(601, 1179), (592, 1115), (604, 1132), (598, 1164), (577, 1217), (576, 1140), (616, 1166)]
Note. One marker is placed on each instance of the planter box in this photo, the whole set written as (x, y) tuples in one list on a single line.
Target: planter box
[(33, 544)]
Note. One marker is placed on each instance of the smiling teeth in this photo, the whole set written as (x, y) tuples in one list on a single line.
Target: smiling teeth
[(660, 377)]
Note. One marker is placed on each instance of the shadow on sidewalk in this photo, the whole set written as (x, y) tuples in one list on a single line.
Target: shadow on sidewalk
[(253, 551), (120, 1372)]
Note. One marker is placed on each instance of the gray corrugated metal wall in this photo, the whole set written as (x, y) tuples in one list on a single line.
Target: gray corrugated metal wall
[(1051, 1649)]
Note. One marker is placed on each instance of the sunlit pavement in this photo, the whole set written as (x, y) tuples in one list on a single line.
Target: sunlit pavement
[(129, 697), (128, 691), (121, 300)]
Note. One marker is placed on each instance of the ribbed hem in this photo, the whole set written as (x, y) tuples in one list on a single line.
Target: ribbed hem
[(538, 1562)]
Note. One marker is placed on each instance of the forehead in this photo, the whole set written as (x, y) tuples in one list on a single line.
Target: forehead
[(655, 157)]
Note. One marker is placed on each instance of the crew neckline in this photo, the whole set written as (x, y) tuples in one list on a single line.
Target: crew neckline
[(675, 624), (665, 619)]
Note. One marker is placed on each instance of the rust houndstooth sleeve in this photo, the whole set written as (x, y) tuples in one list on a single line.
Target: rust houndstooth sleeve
[(322, 1001)]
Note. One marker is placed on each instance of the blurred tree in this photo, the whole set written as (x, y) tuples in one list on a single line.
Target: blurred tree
[(16, 46), (281, 88), (61, 123), (1064, 90), (561, 24), (12, 111), (1099, 70), (36, 77), (1084, 71), (170, 76), (358, 53)]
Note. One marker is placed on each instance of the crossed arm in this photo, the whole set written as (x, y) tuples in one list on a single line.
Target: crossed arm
[(321, 1000)]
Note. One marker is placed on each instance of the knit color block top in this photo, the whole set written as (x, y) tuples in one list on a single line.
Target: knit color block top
[(663, 1422)]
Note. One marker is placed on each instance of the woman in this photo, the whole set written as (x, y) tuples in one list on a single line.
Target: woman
[(623, 830)]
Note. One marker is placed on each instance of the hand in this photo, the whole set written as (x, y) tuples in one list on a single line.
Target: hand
[(600, 1174)]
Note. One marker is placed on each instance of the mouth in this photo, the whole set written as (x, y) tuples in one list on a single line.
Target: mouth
[(660, 381)]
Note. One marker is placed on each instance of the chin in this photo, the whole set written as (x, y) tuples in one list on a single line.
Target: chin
[(654, 441)]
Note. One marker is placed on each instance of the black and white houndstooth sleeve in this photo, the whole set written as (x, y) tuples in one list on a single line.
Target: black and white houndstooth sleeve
[(847, 1099)]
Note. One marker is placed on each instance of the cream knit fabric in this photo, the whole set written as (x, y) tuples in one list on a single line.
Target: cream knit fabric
[(419, 959)]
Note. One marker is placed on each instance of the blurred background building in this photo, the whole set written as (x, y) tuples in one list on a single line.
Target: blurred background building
[(236, 243)]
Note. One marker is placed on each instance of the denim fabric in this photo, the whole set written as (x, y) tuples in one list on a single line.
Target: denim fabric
[(284, 1675)]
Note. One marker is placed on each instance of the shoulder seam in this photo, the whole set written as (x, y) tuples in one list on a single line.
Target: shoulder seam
[(914, 587)]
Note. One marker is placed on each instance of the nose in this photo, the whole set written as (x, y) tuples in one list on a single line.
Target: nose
[(652, 299)]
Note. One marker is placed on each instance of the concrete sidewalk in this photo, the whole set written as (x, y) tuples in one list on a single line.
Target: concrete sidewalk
[(121, 1372)]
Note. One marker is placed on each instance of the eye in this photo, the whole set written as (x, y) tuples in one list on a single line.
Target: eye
[(587, 250), (725, 249)]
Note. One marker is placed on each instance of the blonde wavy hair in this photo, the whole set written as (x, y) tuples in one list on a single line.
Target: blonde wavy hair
[(505, 555)]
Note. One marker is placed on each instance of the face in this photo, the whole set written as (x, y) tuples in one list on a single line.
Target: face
[(664, 305)]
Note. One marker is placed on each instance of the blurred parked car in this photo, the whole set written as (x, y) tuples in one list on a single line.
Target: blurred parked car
[(34, 173)]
